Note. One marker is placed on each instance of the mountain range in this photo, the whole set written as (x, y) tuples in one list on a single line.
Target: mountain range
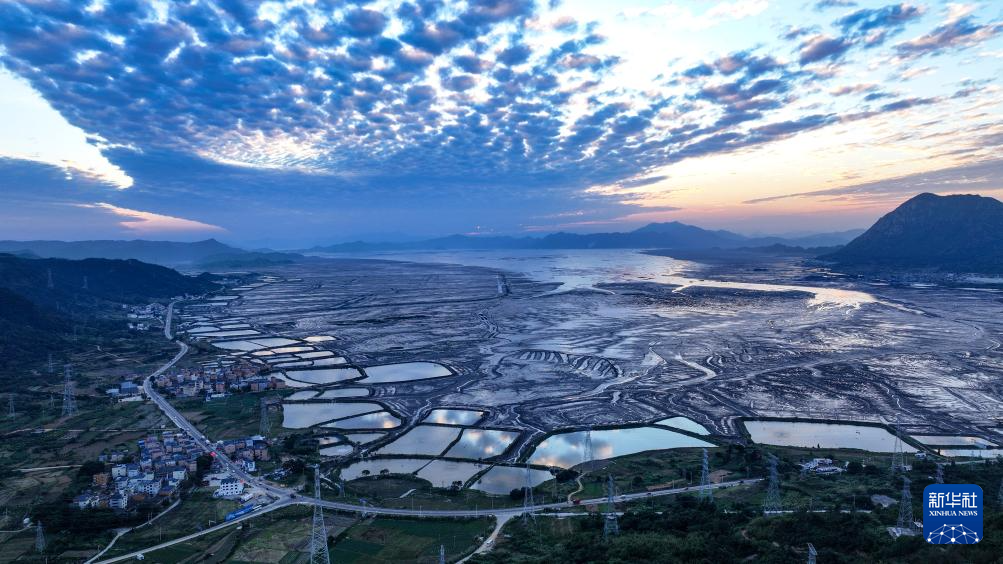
[(204, 254), (670, 235), (957, 233)]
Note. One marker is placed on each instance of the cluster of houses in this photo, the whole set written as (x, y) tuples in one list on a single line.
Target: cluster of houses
[(216, 381), (821, 467), (126, 391), (140, 316), (163, 464)]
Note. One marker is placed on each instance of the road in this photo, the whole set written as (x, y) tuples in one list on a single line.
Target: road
[(284, 496)]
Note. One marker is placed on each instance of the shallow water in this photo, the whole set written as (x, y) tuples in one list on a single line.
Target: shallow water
[(364, 438), (442, 473), (684, 423), (303, 415), (324, 375), (972, 452), (823, 435), (567, 449), (501, 480), (344, 393), (305, 395), (339, 450), (423, 439), (404, 372), (942, 440), (482, 443), (394, 465), (453, 416), (381, 420)]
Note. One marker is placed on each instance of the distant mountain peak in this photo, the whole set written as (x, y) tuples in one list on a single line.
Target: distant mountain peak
[(959, 233)]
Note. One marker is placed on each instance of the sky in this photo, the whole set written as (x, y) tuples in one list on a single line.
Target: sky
[(290, 124)]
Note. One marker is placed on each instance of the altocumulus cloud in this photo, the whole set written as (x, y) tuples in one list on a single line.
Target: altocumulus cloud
[(425, 99)]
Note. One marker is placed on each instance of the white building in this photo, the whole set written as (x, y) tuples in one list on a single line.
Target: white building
[(229, 487)]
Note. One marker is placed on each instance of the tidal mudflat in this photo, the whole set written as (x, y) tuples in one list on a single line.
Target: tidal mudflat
[(532, 343)]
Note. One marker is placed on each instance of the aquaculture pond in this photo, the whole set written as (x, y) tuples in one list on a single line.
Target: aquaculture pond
[(482, 443), (323, 375), (404, 372), (303, 415), (381, 420), (442, 473), (501, 480), (684, 423), (373, 467), (423, 439), (823, 435), (567, 449), (453, 416)]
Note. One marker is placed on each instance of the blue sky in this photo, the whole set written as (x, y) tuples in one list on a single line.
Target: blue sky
[(296, 123)]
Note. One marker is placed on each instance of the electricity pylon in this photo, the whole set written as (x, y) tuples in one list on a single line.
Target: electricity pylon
[(772, 504), (812, 554), (940, 473), (11, 414), (705, 490), (69, 401), (318, 536), (611, 527), (905, 506), (588, 453), (528, 503), (39, 538), (266, 425), (898, 457)]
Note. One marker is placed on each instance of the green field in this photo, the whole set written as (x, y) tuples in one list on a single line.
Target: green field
[(235, 417), (410, 540)]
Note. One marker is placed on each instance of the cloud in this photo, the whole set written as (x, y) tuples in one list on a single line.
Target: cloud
[(958, 33), (824, 4), (873, 26), (981, 175), (820, 47), (148, 223)]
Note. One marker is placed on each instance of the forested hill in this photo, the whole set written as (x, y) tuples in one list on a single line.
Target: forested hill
[(114, 280)]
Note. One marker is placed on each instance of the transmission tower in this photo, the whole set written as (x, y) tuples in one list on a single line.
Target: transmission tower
[(588, 453), (442, 554), (898, 458), (52, 367), (528, 503), (318, 537), (85, 284), (812, 553), (266, 425), (69, 402), (772, 502), (905, 506), (49, 283), (610, 525), (11, 414), (705, 490), (39, 538), (999, 496), (940, 473)]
